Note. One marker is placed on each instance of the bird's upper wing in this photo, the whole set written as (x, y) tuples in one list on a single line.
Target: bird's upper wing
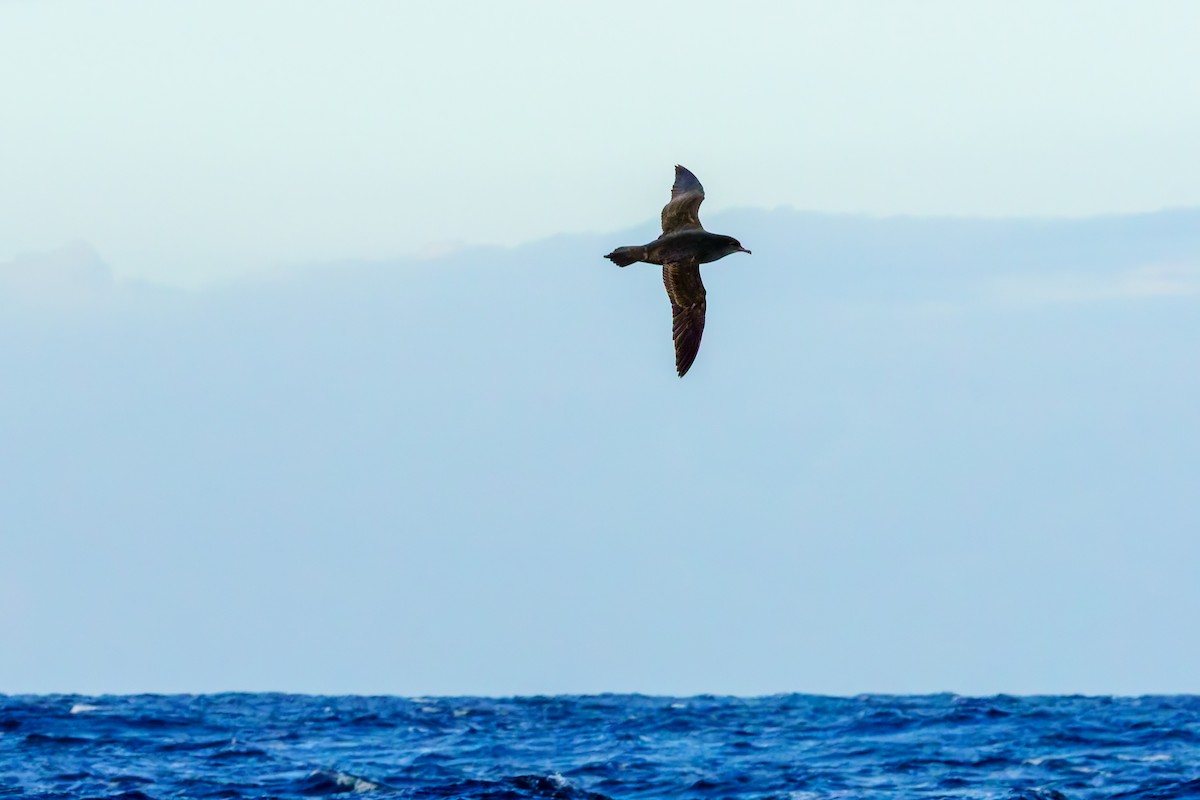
[(683, 211), (682, 280)]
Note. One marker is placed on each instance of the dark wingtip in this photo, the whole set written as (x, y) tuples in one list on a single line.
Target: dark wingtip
[(685, 181)]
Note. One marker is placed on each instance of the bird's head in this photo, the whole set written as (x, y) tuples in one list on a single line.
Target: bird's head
[(734, 246)]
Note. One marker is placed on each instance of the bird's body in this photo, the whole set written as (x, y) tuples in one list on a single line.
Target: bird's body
[(699, 246), (683, 246)]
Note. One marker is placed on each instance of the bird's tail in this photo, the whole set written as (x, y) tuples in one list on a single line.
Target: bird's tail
[(624, 256)]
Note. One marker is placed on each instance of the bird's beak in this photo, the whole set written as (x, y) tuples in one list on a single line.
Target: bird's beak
[(744, 250)]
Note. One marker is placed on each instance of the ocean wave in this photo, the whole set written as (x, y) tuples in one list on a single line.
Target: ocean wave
[(789, 747), (42, 739), (321, 782)]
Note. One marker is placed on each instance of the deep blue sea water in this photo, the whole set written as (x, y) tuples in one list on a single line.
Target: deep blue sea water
[(788, 747)]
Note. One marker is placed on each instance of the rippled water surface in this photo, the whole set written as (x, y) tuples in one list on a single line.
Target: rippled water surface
[(791, 747)]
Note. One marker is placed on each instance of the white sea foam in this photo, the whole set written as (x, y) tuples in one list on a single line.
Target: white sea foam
[(83, 708), (345, 782), (1145, 759), (355, 783)]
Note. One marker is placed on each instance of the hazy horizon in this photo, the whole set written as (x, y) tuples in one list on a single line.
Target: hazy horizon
[(79, 250)]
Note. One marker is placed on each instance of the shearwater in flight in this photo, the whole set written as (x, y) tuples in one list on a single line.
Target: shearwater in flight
[(682, 248)]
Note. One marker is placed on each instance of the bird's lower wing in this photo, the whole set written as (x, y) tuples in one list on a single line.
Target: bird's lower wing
[(687, 311)]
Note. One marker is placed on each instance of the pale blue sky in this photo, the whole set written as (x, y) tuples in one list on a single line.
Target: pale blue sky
[(914, 454), (192, 141)]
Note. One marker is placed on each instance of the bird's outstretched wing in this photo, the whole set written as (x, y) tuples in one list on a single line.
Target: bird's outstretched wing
[(682, 280), (683, 211)]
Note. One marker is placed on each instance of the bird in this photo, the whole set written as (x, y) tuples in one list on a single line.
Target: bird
[(683, 246)]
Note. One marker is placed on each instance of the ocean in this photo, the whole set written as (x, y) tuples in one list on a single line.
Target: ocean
[(623, 747)]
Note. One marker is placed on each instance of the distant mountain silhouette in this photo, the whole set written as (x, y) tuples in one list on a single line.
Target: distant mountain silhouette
[(73, 273)]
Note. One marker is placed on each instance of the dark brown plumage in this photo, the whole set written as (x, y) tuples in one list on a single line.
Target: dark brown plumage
[(682, 248)]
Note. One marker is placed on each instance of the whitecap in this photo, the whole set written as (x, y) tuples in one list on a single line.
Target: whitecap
[(337, 782), (1145, 759), (83, 708), (355, 783)]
